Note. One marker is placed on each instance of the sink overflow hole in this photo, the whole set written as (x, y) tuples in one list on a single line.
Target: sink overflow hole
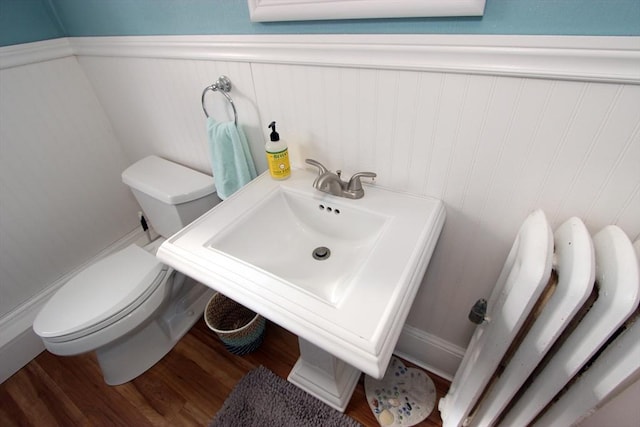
[(321, 253)]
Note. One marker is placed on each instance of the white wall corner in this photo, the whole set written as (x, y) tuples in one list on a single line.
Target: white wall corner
[(429, 352)]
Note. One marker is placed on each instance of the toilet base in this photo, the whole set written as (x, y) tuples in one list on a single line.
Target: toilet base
[(130, 356)]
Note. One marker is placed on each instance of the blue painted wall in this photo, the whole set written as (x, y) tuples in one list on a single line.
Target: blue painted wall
[(29, 20), (24, 21)]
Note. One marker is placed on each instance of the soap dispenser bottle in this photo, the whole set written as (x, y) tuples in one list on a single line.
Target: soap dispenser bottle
[(277, 155)]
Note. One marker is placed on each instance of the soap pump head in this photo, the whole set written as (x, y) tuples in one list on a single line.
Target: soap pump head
[(274, 135)]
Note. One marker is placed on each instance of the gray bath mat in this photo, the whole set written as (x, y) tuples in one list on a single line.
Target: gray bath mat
[(261, 398)]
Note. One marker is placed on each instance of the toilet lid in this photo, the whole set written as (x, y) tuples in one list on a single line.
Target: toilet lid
[(99, 292)]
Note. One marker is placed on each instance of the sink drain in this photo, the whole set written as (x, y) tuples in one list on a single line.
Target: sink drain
[(320, 253)]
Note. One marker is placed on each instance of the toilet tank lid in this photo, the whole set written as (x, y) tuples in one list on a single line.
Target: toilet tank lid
[(167, 181)]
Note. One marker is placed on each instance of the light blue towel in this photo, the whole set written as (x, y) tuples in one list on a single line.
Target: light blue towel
[(230, 157)]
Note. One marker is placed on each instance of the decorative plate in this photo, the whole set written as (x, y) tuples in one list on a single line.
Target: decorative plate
[(403, 397)]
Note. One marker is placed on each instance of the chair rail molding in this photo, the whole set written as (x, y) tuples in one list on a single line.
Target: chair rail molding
[(603, 59), (29, 53), (582, 58)]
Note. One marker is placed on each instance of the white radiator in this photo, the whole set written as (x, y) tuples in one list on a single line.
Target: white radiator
[(558, 338)]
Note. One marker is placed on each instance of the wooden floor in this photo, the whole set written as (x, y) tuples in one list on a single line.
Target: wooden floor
[(186, 388)]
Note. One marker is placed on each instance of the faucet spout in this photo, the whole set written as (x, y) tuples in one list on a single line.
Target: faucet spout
[(329, 182)]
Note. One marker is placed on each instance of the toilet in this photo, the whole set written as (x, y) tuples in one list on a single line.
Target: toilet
[(129, 307)]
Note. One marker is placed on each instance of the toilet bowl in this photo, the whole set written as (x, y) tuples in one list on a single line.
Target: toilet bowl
[(129, 307)]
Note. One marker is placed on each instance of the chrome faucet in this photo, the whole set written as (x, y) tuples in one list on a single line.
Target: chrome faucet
[(332, 183)]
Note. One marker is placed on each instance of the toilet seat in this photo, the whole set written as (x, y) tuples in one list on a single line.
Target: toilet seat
[(100, 295)]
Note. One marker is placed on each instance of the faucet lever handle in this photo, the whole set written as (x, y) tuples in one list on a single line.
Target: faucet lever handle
[(354, 182), (320, 166)]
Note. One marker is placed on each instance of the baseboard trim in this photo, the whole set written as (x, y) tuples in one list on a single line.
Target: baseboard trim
[(429, 352), (18, 343)]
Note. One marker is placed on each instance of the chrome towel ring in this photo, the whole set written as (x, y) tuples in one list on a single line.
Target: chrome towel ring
[(223, 84)]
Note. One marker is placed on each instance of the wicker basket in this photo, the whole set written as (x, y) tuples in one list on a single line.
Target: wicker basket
[(240, 329)]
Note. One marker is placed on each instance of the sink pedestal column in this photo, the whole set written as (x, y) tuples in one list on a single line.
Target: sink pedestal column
[(324, 376)]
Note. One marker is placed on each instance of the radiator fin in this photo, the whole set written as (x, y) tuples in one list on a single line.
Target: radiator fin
[(565, 355), (617, 276)]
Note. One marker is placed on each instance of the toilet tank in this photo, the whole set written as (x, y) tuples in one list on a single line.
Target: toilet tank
[(171, 195)]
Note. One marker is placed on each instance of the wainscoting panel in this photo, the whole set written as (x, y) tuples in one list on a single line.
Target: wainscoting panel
[(493, 144), (62, 196), (494, 126), (155, 107), (493, 148), (62, 200)]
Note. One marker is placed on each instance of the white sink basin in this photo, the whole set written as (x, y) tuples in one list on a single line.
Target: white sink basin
[(315, 247), (256, 247)]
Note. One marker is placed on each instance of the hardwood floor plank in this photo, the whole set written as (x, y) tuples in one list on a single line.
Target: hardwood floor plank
[(210, 358), (11, 414), (194, 384), (80, 379), (69, 408), (152, 396), (26, 398), (190, 415), (186, 388), (39, 400)]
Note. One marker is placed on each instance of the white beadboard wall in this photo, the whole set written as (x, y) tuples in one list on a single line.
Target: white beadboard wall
[(155, 105), (61, 196), (494, 126), (492, 142)]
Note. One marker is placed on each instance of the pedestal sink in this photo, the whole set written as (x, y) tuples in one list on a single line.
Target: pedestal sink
[(339, 273)]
